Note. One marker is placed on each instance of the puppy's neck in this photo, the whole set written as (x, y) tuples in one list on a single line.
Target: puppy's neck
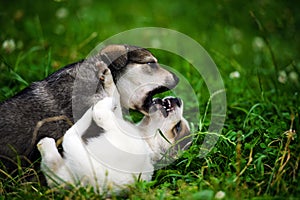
[(149, 133), (145, 126)]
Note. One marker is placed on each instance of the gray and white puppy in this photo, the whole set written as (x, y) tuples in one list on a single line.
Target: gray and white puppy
[(71, 91), (123, 152)]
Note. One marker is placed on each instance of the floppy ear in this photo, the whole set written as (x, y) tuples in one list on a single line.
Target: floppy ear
[(139, 55), (115, 56)]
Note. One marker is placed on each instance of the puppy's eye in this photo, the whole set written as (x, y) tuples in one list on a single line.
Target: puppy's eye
[(177, 128), (152, 65)]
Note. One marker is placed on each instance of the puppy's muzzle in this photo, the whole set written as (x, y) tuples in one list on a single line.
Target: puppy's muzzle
[(165, 105)]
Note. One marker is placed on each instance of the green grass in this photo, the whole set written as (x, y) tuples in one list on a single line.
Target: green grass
[(257, 156)]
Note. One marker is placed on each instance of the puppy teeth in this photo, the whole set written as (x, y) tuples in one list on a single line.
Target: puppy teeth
[(169, 103)]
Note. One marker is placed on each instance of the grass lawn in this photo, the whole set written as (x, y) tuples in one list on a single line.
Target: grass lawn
[(256, 47)]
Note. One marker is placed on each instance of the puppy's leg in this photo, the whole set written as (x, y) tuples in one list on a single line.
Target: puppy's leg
[(105, 76), (82, 124), (103, 113), (109, 86), (52, 163)]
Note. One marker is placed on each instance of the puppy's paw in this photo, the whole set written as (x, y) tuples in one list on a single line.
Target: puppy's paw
[(103, 111), (51, 159), (46, 145), (106, 78), (104, 73)]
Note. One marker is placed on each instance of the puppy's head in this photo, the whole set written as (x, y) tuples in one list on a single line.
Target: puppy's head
[(137, 75), (172, 132)]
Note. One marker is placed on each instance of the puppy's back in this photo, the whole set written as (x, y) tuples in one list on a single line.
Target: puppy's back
[(20, 114)]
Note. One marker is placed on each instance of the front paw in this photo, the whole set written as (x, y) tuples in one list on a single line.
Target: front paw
[(104, 73), (105, 76), (46, 145), (103, 111)]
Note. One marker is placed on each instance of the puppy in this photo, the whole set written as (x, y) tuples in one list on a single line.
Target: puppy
[(70, 91), (122, 152)]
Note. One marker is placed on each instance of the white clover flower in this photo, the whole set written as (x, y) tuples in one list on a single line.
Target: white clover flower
[(220, 195), (293, 76), (62, 13), (258, 43), (59, 29), (282, 77), (234, 75), (9, 45), (236, 48)]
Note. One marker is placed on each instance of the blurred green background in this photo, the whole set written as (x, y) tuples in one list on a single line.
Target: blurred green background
[(257, 39), (62, 31)]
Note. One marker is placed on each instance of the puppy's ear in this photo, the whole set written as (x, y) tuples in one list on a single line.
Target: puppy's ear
[(140, 55), (115, 56)]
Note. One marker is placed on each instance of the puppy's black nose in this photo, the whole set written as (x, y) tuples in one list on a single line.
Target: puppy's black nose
[(176, 101), (179, 102)]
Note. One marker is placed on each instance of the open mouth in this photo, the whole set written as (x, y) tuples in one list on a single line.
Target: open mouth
[(165, 105), (148, 102)]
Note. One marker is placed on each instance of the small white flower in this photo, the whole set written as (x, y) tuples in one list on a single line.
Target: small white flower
[(234, 75), (220, 195), (59, 29), (293, 76), (9, 45), (282, 77), (258, 43), (236, 48), (62, 13)]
